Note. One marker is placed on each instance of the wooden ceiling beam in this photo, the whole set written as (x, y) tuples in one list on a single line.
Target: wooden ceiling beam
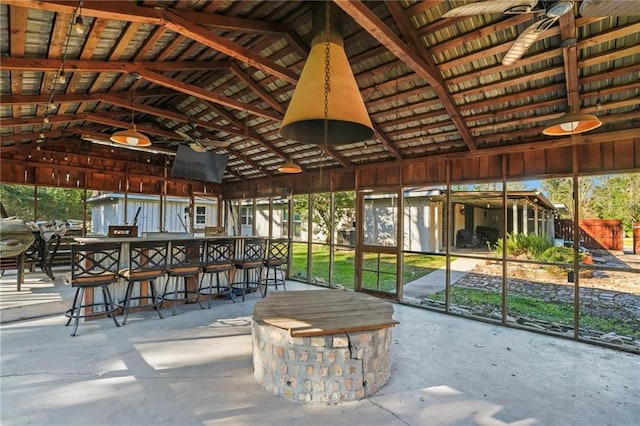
[(18, 24), (80, 97), (413, 58), (173, 20), (157, 78), (72, 65), (205, 94), (259, 91), (231, 23), (570, 61), (248, 133)]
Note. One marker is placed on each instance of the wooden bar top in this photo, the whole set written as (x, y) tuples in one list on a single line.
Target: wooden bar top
[(324, 312)]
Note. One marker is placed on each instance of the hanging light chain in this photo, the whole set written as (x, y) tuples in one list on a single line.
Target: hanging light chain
[(327, 86)]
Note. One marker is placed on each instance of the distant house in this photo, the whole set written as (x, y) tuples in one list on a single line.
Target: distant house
[(478, 218), (109, 209)]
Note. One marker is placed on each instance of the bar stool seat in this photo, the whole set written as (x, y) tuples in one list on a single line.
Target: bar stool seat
[(93, 265), (184, 262), (277, 255), (217, 258), (252, 260), (147, 262)]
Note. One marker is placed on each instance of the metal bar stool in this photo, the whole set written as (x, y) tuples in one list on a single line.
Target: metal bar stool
[(147, 262), (184, 262), (252, 260), (217, 258), (93, 265), (277, 255)]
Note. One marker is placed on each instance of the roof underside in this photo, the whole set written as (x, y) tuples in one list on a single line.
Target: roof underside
[(226, 70)]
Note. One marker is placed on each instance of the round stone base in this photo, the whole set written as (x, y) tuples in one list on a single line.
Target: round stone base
[(324, 369)]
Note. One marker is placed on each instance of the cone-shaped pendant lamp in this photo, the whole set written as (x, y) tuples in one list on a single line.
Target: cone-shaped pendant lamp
[(571, 124), (347, 120)]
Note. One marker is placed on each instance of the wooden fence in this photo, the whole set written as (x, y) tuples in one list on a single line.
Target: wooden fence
[(593, 233)]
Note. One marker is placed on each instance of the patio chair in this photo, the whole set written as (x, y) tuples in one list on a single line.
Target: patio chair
[(252, 260), (277, 255), (147, 262), (185, 263), (217, 258), (93, 266)]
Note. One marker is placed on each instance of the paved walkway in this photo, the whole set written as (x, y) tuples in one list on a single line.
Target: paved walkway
[(434, 282)]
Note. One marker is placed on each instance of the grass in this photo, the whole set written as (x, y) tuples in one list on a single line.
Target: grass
[(415, 266), (529, 307)]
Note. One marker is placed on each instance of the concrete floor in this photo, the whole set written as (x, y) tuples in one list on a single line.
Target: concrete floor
[(195, 368)]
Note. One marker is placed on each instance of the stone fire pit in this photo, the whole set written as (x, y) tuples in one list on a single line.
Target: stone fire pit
[(322, 346)]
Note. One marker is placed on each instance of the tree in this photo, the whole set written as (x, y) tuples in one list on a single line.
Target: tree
[(618, 197), (53, 203), (560, 190), (344, 211)]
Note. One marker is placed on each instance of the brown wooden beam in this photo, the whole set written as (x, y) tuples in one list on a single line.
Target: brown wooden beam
[(372, 24)]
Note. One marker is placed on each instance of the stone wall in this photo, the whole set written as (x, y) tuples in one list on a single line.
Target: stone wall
[(325, 369)]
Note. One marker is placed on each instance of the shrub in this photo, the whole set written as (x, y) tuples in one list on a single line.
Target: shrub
[(529, 245), (538, 244), (560, 254)]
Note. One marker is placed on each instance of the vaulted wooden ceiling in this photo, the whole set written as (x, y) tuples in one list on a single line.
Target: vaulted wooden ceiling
[(226, 70)]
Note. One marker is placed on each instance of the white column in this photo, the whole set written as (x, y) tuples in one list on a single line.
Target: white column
[(525, 218), (436, 228), (535, 221), (514, 220)]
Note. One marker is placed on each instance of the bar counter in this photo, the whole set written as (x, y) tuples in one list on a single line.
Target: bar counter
[(118, 288)]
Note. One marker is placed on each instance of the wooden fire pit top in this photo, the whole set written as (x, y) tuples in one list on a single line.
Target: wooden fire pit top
[(324, 312)]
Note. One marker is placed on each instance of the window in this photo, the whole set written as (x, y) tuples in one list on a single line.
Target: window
[(247, 216), (201, 215)]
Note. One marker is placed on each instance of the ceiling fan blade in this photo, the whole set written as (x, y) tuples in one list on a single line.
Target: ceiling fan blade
[(214, 143), (197, 147), (509, 7), (610, 8), (184, 136), (153, 149), (526, 39)]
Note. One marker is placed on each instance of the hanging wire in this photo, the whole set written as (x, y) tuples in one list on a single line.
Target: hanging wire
[(133, 99), (60, 72), (397, 105)]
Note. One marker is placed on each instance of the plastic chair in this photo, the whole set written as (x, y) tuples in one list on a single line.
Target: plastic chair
[(184, 262), (252, 260), (217, 258), (93, 265), (277, 255), (147, 262)]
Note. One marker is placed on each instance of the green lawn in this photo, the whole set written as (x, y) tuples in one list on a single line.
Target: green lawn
[(530, 307), (415, 266)]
